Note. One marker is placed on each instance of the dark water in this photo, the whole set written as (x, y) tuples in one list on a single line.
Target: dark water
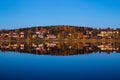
[(94, 64)]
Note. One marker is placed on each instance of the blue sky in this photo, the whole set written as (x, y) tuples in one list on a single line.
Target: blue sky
[(26, 13)]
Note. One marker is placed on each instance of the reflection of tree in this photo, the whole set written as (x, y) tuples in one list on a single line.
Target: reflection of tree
[(60, 48)]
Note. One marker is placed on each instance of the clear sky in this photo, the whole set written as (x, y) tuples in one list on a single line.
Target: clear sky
[(26, 13)]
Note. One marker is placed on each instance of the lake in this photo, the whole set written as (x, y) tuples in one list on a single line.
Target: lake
[(53, 61)]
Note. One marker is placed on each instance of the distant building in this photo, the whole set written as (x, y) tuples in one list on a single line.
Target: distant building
[(51, 36)]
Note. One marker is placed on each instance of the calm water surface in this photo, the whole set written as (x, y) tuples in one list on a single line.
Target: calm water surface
[(51, 61), (97, 66)]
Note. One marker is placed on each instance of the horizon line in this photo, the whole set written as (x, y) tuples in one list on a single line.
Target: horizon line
[(61, 26)]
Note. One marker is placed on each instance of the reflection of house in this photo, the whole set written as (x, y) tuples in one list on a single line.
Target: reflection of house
[(34, 45), (107, 47), (5, 46), (50, 44), (22, 46), (61, 49), (40, 47), (14, 46)]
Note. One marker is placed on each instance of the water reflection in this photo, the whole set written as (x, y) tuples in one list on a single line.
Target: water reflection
[(60, 48)]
